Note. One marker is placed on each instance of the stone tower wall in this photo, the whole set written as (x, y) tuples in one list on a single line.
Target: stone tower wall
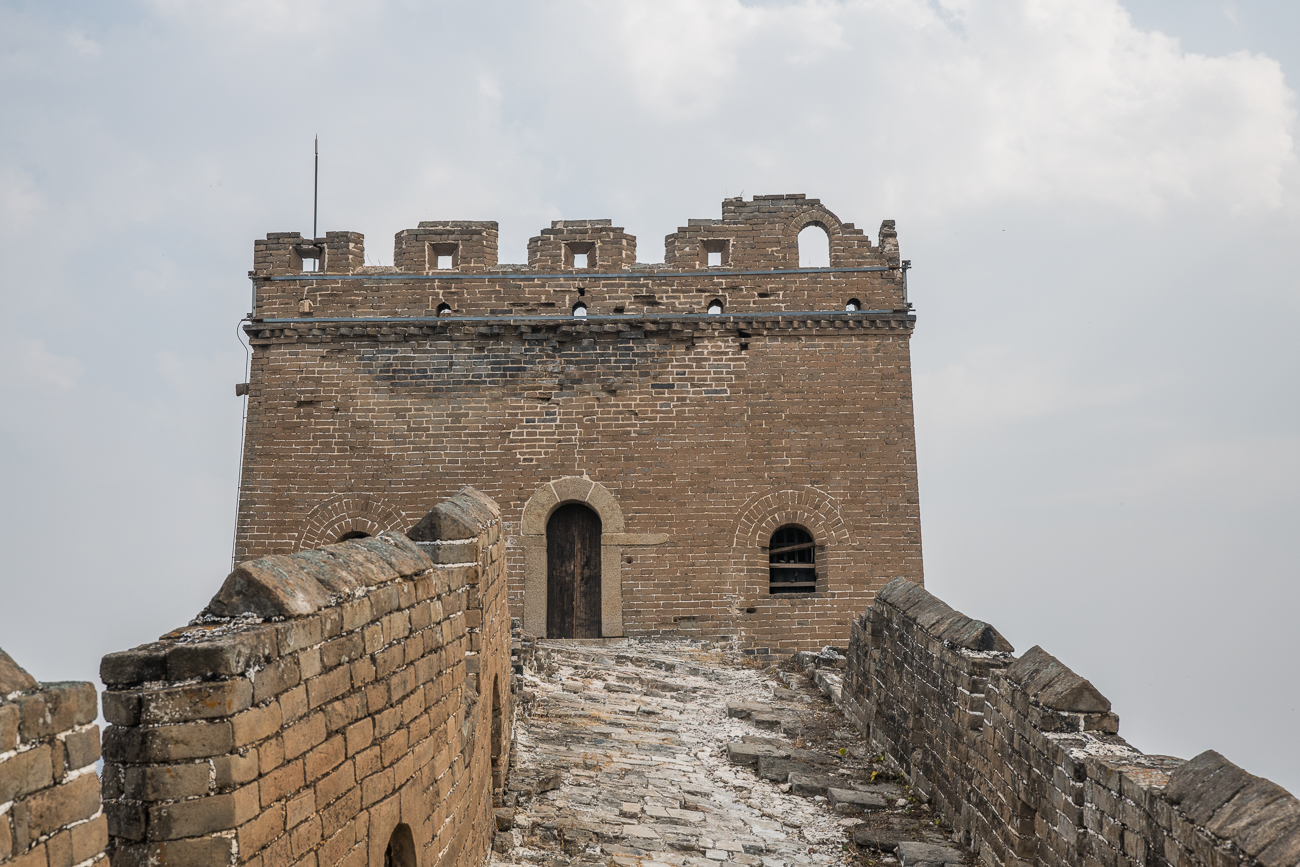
[(702, 433)]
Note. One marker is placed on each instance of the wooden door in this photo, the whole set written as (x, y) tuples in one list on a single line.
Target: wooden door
[(573, 573)]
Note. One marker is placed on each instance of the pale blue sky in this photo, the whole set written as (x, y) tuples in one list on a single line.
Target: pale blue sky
[(1101, 201)]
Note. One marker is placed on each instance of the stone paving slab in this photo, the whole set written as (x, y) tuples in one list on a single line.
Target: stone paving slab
[(646, 754)]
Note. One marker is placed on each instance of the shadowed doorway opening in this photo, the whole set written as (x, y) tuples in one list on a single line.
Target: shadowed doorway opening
[(573, 573)]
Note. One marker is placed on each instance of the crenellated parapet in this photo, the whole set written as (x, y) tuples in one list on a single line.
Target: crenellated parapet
[(745, 261)]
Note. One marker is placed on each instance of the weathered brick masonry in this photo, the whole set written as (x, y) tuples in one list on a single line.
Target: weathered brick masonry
[(346, 705), (1024, 758), (694, 437), (50, 812)]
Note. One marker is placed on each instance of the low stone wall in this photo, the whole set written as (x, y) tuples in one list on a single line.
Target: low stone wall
[(345, 705), (49, 794), (1023, 757)]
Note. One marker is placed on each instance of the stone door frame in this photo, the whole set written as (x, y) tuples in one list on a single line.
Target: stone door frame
[(613, 538)]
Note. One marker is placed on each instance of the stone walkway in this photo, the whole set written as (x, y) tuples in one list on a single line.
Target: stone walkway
[(641, 754)]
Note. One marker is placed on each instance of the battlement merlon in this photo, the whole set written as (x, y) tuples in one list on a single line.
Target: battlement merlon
[(290, 253), (446, 245), (764, 233), (593, 245), (761, 234)]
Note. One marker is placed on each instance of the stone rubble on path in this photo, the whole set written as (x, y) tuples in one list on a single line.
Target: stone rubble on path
[(670, 752)]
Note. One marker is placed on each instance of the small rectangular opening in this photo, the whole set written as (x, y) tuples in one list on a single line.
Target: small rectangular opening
[(307, 258), (580, 255), (444, 256), (716, 251)]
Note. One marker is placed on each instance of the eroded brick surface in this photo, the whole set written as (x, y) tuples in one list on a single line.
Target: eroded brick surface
[(649, 752)]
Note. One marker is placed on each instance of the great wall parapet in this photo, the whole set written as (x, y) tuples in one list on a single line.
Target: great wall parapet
[(50, 811), (1022, 756), (346, 703)]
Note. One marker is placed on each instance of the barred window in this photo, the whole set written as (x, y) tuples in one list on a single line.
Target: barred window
[(791, 556)]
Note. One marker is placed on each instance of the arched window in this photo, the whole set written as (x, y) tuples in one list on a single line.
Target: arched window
[(354, 534), (715, 306), (401, 848), (853, 305), (791, 556), (814, 247), (579, 309), (444, 309)]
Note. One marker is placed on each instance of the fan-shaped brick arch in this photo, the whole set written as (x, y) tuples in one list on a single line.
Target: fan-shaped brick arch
[(345, 513), (849, 246), (814, 216), (814, 510)]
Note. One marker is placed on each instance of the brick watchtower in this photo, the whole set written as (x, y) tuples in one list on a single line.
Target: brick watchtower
[(719, 446)]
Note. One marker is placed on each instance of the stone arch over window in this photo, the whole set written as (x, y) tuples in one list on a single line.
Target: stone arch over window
[(350, 516), (614, 538), (816, 513), (821, 218)]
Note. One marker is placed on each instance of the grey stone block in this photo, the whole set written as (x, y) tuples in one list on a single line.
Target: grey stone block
[(142, 664), (928, 855), (748, 754), (848, 801), (227, 656)]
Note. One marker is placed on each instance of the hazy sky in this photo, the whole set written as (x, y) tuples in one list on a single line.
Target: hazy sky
[(1101, 201)]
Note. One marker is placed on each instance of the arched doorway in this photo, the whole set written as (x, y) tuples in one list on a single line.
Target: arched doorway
[(401, 848), (573, 573)]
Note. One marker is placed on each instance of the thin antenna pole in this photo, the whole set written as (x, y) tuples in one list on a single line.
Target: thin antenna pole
[(315, 190)]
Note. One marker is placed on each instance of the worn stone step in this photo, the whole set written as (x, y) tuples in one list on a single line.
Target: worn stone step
[(848, 801), (928, 855), (810, 785), (740, 753), (745, 709)]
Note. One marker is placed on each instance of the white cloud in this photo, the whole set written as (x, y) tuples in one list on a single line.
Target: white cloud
[(968, 102), (32, 360)]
